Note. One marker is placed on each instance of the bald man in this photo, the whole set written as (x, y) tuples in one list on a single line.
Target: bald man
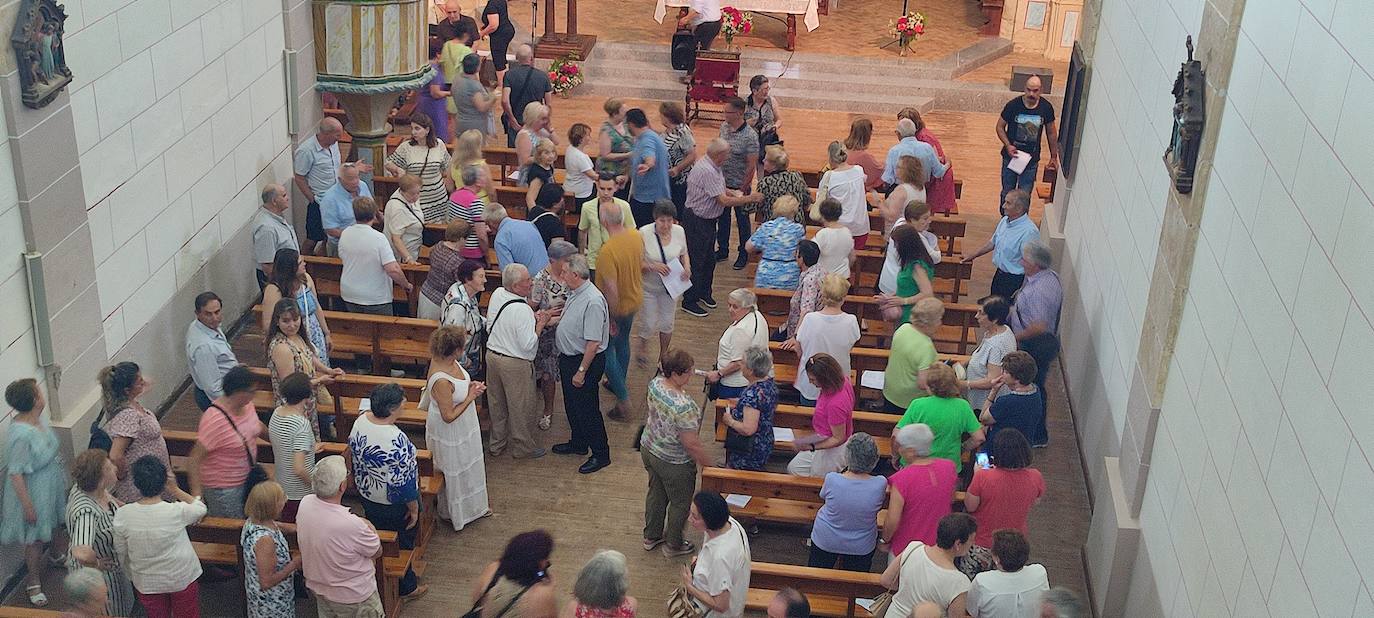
[(523, 84), (271, 231), (1024, 120)]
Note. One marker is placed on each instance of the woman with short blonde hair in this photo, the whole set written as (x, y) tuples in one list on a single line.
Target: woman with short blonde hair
[(912, 355), (829, 331), (777, 181), (535, 126), (776, 242)]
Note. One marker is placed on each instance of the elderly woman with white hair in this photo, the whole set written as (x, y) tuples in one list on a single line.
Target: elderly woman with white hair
[(747, 328), (600, 590), (749, 435), (922, 490), (86, 589), (846, 529)]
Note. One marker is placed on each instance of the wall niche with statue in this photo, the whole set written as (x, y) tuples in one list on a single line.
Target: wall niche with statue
[(39, 53)]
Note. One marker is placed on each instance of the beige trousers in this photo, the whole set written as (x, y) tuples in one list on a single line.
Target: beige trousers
[(369, 608), (513, 403)]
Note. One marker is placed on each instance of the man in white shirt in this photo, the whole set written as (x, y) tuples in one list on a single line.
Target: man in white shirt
[(369, 264), (1015, 588), (703, 18), (513, 329)]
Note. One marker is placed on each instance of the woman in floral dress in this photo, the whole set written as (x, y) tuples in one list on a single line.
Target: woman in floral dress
[(289, 352), (752, 415), (777, 241), (548, 292)]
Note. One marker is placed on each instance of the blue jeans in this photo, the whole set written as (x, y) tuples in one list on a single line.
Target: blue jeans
[(618, 356), (728, 392), (1011, 180)]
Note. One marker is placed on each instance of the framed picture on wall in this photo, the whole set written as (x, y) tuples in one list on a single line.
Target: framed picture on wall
[(1036, 13), (1070, 32), (1071, 118)]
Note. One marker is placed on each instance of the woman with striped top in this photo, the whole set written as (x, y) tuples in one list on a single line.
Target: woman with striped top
[(90, 518), (424, 155), (467, 204), (293, 442)]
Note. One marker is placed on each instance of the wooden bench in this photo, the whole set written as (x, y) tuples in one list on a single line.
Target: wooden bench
[(778, 498), (951, 273), (179, 444), (860, 359), (958, 335), (798, 419), (14, 611), (832, 593), (384, 339), (349, 391)]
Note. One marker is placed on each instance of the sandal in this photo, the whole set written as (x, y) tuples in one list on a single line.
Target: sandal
[(36, 596), (545, 421)]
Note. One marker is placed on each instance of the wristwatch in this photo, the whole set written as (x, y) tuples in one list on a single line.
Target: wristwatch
[(582, 370)]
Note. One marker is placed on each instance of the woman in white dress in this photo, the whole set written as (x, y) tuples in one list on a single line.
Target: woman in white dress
[(451, 430)]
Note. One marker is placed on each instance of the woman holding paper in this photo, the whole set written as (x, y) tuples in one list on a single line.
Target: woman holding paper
[(665, 243)]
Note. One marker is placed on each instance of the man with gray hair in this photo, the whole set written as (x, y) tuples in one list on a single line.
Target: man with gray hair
[(87, 590), (516, 241), (909, 146), (707, 199), (336, 205), (1008, 239), (789, 603), (316, 166), (1034, 319), (513, 330), (582, 338), (271, 231), (620, 277), (337, 547)]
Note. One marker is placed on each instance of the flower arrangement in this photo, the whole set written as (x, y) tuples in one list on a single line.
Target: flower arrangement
[(565, 74), (908, 28), (735, 22)]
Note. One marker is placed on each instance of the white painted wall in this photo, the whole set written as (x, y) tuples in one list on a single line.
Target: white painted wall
[(179, 107), (1260, 484), (1120, 191)]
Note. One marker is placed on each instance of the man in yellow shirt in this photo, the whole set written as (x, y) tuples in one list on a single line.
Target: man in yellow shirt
[(619, 276)]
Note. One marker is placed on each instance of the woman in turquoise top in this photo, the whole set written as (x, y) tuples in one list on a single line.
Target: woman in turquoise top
[(34, 504), (777, 240), (913, 280)]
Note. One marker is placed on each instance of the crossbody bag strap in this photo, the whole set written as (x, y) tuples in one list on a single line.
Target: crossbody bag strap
[(512, 602), (478, 603), (252, 459), (661, 253)]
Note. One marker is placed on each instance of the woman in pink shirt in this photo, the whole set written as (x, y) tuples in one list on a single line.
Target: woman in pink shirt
[(833, 420), (1002, 496), (226, 446), (922, 492)]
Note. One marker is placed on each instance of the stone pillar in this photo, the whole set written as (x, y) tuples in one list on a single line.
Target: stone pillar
[(52, 204)]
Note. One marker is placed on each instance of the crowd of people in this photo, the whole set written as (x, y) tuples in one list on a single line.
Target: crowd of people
[(654, 218)]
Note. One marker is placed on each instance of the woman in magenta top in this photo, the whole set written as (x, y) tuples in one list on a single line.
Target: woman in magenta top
[(922, 492), (833, 419), (939, 191), (1002, 495)]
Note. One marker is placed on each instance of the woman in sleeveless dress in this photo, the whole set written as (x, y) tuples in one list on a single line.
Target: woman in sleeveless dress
[(270, 593), (289, 352), (289, 280), (451, 429)]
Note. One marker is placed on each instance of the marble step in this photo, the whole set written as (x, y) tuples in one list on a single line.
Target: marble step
[(816, 99)]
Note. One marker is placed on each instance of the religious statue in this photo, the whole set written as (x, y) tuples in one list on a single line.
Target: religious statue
[(1189, 119), (38, 52)]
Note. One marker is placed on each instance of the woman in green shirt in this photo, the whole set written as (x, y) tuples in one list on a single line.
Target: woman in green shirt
[(947, 414), (913, 353), (914, 280)]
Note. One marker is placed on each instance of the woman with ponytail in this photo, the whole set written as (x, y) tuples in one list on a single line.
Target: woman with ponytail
[(134, 430)]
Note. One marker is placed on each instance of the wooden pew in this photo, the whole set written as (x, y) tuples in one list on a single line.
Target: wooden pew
[(385, 339), (951, 273), (860, 359), (179, 444), (798, 419), (778, 498), (958, 335), (349, 391), (831, 592), (14, 611)]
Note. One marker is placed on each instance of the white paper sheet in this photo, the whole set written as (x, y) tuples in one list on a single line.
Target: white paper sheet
[(783, 434), (1019, 162), (738, 501), (872, 379), (364, 404), (673, 281), (867, 604), (515, 176)]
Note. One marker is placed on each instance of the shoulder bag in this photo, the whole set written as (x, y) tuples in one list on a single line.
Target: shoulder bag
[(476, 610), (736, 442), (883, 601), (478, 370), (99, 437), (256, 473)]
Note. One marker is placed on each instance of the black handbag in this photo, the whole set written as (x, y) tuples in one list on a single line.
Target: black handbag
[(736, 442), (256, 473), (99, 437)]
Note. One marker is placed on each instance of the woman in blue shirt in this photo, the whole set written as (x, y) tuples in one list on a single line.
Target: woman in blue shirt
[(846, 528), (777, 240)]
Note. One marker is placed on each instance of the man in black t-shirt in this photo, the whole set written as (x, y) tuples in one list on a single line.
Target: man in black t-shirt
[(1024, 120), (523, 85)]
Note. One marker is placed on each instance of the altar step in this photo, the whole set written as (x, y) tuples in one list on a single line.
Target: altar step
[(808, 81)]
